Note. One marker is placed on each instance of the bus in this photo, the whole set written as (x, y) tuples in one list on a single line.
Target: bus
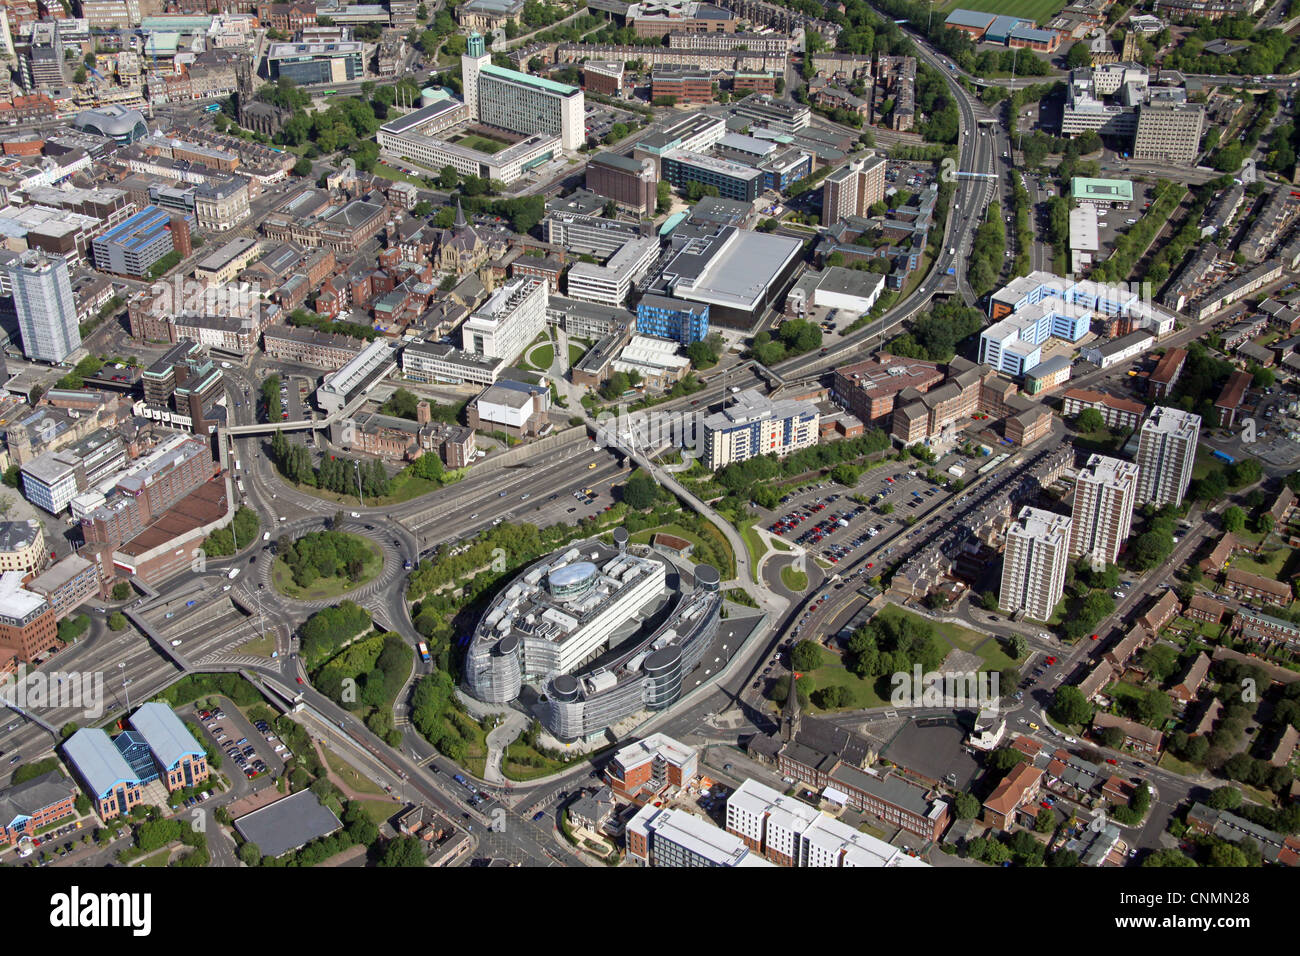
[(1224, 457), (329, 92), (424, 652), (212, 108)]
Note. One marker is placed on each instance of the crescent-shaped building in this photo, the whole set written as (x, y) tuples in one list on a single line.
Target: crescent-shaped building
[(601, 631)]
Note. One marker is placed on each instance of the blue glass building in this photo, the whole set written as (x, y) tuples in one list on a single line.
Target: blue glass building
[(676, 319)]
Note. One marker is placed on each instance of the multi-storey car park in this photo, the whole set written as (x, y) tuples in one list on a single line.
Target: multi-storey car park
[(603, 632)]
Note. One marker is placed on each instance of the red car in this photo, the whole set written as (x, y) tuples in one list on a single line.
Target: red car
[(870, 565), (1044, 804), (1051, 661), (1095, 637), (300, 680), (1112, 760)]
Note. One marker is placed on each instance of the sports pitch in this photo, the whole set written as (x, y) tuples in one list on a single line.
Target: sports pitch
[(1040, 11)]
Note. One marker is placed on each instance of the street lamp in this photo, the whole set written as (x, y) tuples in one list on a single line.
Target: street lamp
[(356, 468), (122, 667)]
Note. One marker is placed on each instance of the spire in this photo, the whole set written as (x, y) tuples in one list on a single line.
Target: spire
[(460, 217)]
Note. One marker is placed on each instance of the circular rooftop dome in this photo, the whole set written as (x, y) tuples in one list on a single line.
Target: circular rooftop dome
[(565, 687), (707, 577), (508, 644), (572, 579)]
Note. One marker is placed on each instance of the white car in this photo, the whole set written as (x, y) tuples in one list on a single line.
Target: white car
[(355, 514), (176, 643)]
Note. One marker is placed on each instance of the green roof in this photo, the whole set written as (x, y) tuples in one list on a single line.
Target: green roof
[(1109, 190), (514, 75)]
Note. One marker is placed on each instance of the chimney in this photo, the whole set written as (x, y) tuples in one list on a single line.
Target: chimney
[(423, 415)]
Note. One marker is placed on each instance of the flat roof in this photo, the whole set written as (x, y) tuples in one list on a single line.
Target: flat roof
[(514, 76), (1111, 190), (288, 823)]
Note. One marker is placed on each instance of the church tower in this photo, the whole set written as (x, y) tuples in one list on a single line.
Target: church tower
[(472, 62)]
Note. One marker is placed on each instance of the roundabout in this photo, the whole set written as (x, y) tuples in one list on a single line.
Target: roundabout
[(302, 575)]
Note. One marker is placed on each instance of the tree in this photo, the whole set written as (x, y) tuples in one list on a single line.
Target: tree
[(250, 855), (1089, 420), (967, 806), (403, 851), (117, 621), (1045, 821), (1079, 56), (806, 656), (79, 76), (1234, 520), (1070, 707), (1112, 737), (1017, 647), (640, 491), (303, 167), (1225, 798), (121, 591)]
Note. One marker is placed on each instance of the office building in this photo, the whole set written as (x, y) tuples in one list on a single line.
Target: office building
[(181, 760), (28, 626), (682, 167), (609, 284), (853, 189), (430, 362), (1169, 133), (663, 836), (676, 319), (33, 805), (518, 102), (109, 780), (47, 310), (1104, 494), (148, 489), (307, 63), (349, 385), (1033, 564), (1166, 454), (739, 273), (508, 321), (134, 245), (751, 424), (22, 546), (52, 479), (631, 183)]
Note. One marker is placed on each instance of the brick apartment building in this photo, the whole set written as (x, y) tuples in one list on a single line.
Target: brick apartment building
[(1246, 586), (651, 767)]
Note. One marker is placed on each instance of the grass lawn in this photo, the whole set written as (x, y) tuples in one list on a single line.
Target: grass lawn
[(1171, 763), (1269, 564), (1121, 689), (259, 646), (576, 352), (1102, 440), (753, 544), (350, 775), (405, 487), (327, 587), (834, 674), (729, 572), (779, 545), (379, 810), (541, 357), (481, 143), (390, 172), (962, 638), (158, 859), (796, 581), (539, 765), (1205, 462)]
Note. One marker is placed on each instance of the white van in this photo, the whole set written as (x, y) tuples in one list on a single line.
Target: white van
[(233, 573)]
